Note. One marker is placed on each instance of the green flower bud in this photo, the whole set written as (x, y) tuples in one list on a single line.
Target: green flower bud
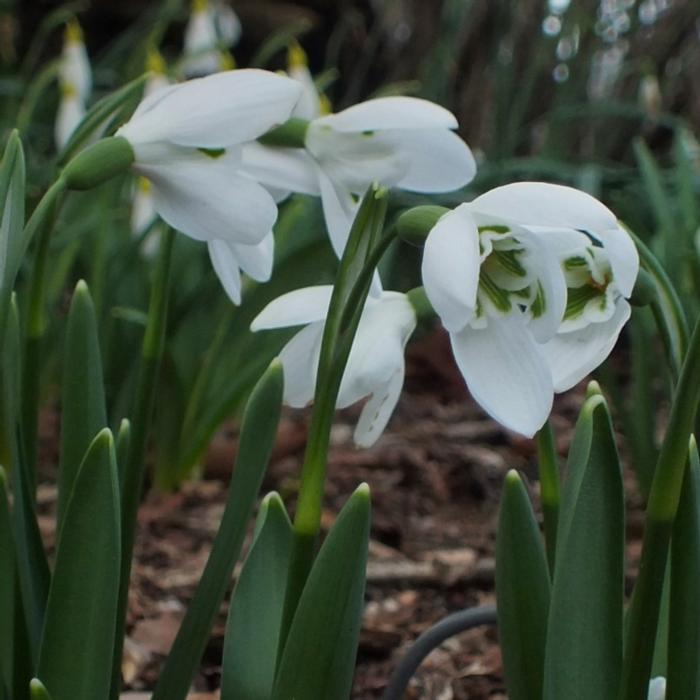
[(98, 163), (415, 224)]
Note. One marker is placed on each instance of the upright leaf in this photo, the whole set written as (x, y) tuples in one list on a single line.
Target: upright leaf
[(255, 614), (684, 608), (83, 412), (258, 431), (75, 662), (7, 592), (319, 655), (522, 592), (583, 657)]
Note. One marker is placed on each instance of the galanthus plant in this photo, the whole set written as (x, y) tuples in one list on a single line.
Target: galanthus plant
[(533, 282)]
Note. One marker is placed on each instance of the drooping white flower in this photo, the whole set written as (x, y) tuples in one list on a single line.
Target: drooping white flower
[(402, 142), (657, 688), (496, 270), (309, 105), (375, 367), (211, 26), (75, 83), (188, 141), (228, 25)]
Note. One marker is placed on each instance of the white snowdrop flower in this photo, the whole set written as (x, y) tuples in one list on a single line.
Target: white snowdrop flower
[(532, 304), (74, 69), (188, 142), (228, 26), (202, 53), (309, 105), (71, 111), (375, 368), (657, 688)]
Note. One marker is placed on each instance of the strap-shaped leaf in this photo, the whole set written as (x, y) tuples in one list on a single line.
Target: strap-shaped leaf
[(683, 680), (75, 662), (319, 655), (83, 412), (7, 592), (522, 592), (255, 614), (12, 184), (583, 657), (258, 431)]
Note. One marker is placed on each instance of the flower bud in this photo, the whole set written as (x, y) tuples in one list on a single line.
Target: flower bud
[(415, 224), (98, 163)]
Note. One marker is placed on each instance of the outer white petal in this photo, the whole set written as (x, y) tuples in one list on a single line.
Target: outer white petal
[(206, 199), (450, 268), (143, 214), (75, 69), (200, 32), (657, 688), (227, 23), (70, 113), (571, 356), (309, 105), (300, 361), (505, 373), (225, 264), (217, 111), (306, 305), (339, 209), (543, 204), (623, 256), (437, 160), (284, 168), (390, 113), (377, 411), (256, 260)]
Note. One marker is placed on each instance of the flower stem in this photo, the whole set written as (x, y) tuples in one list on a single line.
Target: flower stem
[(549, 489), (661, 512), (134, 469)]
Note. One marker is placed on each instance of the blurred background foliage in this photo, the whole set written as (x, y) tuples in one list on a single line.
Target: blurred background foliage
[(599, 94)]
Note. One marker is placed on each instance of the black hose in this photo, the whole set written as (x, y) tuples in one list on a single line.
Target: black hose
[(431, 639)]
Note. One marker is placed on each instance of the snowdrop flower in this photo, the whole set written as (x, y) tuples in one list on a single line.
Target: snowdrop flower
[(211, 25), (497, 270), (227, 23), (657, 688), (187, 141), (375, 366), (309, 105), (75, 82)]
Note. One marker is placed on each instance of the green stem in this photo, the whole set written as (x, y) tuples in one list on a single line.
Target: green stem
[(134, 468), (550, 495), (661, 512)]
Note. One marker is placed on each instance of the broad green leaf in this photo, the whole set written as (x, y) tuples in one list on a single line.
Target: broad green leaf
[(7, 591), (255, 614), (83, 412), (258, 432), (583, 657), (75, 661), (38, 690), (12, 177), (684, 625), (319, 655), (522, 592)]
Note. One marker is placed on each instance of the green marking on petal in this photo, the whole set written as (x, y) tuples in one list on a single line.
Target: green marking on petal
[(578, 297), (539, 303), (575, 262), (499, 297), (368, 132), (494, 228), (508, 260), (212, 152)]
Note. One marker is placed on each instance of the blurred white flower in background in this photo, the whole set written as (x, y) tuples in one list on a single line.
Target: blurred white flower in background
[(212, 28), (75, 83), (375, 368), (188, 141), (309, 105), (531, 302), (657, 688)]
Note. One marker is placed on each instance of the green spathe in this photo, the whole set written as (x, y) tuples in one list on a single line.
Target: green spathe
[(415, 224), (98, 163)]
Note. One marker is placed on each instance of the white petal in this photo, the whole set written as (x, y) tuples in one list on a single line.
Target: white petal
[(505, 373), (225, 264), (200, 32), (339, 210), (206, 199), (256, 260), (623, 255), (309, 105), (437, 160), (542, 204), (300, 361), (75, 69), (571, 356), (228, 24), (217, 111), (377, 411), (305, 305), (283, 168), (657, 688), (70, 113), (390, 113), (450, 268), (143, 214)]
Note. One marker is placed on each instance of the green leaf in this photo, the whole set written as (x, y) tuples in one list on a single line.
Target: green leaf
[(7, 591), (12, 182), (38, 690), (684, 625), (255, 615), (319, 655), (75, 662), (258, 432), (83, 412), (583, 658), (522, 592)]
